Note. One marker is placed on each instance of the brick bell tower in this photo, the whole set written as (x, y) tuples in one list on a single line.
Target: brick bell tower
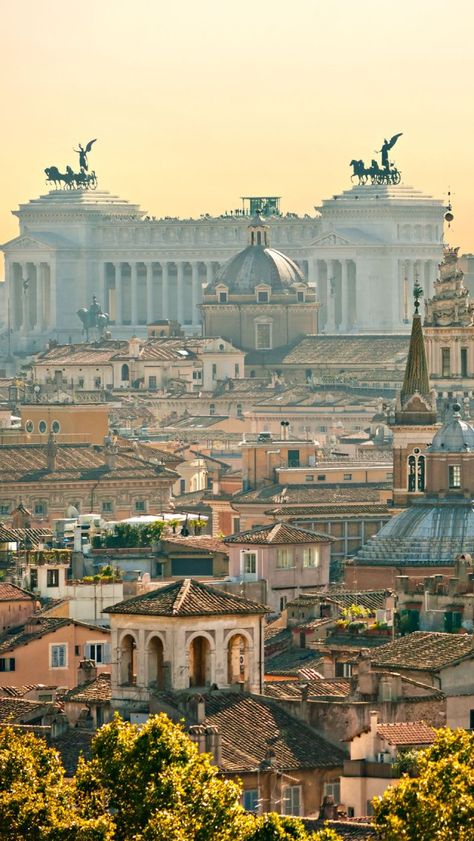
[(415, 419)]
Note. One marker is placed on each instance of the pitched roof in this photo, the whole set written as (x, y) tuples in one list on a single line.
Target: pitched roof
[(196, 543), (407, 733), (416, 380), (18, 710), (12, 593), (317, 688), (278, 534), (187, 597), (425, 650), (313, 494), (93, 692), (37, 627)]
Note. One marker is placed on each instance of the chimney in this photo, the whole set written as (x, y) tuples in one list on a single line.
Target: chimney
[(51, 453), (110, 452), (374, 720), (197, 734), (200, 709), (134, 347), (213, 743), (86, 672)]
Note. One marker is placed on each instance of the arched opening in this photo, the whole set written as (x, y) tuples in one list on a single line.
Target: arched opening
[(411, 473), (128, 676), (421, 473), (237, 659), (200, 662), (125, 375), (156, 663)]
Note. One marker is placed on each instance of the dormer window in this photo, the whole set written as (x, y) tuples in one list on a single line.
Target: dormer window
[(300, 296), (222, 294), (222, 297), (263, 293)]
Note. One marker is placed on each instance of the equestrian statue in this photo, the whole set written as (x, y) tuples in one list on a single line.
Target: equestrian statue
[(71, 180), (385, 174), (93, 318)]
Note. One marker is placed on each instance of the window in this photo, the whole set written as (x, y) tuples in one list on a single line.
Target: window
[(291, 800), (464, 362), (263, 336), (282, 603), (97, 382), (321, 477), (236, 370), (7, 664), (125, 373), (284, 558), (152, 383), (182, 486), (140, 506), (52, 578), (454, 472), (249, 563), (293, 458), (42, 427), (55, 427), (197, 375), (214, 371), (58, 656), (309, 477), (262, 296), (33, 579), (343, 669), (212, 408), (416, 471), (99, 652), (222, 297), (77, 651), (445, 362), (29, 426), (300, 296), (235, 525), (333, 790), (80, 382), (311, 556), (106, 507), (39, 509), (250, 800), (347, 477), (4, 507)]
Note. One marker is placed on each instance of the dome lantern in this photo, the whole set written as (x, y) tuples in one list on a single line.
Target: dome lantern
[(259, 232)]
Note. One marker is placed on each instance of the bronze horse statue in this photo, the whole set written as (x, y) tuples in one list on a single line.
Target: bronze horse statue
[(93, 317), (70, 178)]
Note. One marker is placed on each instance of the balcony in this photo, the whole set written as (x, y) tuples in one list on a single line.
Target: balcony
[(366, 768)]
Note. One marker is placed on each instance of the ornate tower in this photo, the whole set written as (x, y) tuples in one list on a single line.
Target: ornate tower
[(449, 332), (415, 419)]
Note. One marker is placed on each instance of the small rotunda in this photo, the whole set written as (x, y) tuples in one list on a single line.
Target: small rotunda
[(260, 299)]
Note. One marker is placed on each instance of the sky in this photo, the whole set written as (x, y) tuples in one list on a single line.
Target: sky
[(198, 102)]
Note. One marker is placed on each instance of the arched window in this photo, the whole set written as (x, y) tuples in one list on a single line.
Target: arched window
[(156, 663), (125, 375), (416, 471), (200, 662), (128, 675), (237, 659)]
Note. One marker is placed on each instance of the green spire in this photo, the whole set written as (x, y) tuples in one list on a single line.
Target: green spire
[(416, 372)]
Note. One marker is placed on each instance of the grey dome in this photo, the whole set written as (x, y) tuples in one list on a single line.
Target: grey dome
[(455, 436), (429, 533), (255, 265)]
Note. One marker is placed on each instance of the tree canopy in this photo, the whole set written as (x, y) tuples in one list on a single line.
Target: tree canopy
[(147, 783), (437, 804)]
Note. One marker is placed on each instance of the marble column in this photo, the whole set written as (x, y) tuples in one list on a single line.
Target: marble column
[(103, 289), (209, 272), (331, 293), (133, 293), (165, 290), (118, 294), (39, 297), (196, 298), (180, 292), (149, 291), (344, 325), (25, 292)]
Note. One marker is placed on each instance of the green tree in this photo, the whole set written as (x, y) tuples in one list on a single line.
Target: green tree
[(438, 804), (36, 802)]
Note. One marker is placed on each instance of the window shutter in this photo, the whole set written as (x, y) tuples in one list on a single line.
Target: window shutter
[(88, 651), (107, 653), (12, 664)]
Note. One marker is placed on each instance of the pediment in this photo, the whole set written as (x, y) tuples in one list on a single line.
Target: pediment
[(26, 243), (331, 241)]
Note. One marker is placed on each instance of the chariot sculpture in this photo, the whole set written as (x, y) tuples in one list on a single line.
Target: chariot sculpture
[(387, 173), (70, 180)]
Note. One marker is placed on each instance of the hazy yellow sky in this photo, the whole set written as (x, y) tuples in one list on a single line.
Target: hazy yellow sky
[(198, 102)]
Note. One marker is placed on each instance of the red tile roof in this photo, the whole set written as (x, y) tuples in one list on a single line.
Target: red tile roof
[(278, 534), (12, 593), (93, 692), (407, 733), (425, 650), (199, 543), (187, 598)]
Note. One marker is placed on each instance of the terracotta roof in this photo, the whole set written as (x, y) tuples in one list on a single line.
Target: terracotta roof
[(12, 593), (293, 662), (87, 353), (329, 351), (95, 691), (17, 710), (317, 688), (347, 510), (278, 534), (371, 599), (251, 725), (33, 535), (20, 691), (187, 598), (29, 463), (196, 543), (313, 494), (37, 627), (407, 733), (425, 650)]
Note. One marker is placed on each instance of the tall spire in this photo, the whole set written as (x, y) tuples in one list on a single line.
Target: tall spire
[(417, 404)]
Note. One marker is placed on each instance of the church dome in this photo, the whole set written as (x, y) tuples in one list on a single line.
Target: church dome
[(455, 436), (258, 264)]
